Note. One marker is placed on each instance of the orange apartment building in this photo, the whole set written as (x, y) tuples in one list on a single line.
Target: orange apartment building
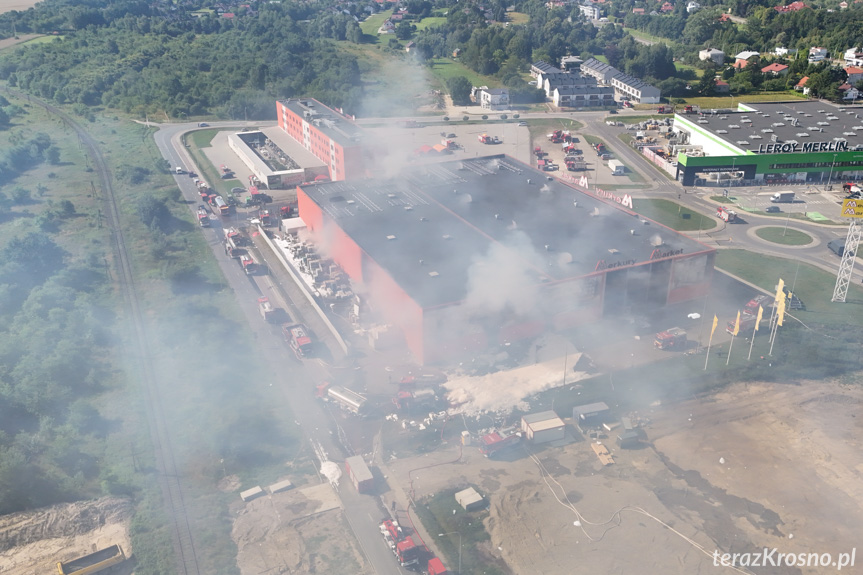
[(328, 135)]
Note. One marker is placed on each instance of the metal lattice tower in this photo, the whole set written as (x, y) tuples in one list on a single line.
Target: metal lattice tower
[(843, 278)]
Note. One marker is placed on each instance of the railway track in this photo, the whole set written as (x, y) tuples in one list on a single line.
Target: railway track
[(169, 476)]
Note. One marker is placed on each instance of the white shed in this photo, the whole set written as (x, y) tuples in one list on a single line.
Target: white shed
[(469, 499), (542, 427)]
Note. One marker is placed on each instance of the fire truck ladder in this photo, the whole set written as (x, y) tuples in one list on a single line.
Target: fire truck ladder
[(843, 278)]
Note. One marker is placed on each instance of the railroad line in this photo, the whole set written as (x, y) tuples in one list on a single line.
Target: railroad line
[(169, 476)]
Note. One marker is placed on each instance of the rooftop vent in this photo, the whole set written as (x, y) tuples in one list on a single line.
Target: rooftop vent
[(656, 240), (433, 274), (447, 237), (391, 237)]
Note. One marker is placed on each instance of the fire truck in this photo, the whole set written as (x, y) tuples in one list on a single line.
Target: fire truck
[(248, 263), (747, 322), (418, 398), (725, 214), (486, 139), (497, 441), (268, 312), (299, 339), (674, 338), (264, 216), (403, 547)]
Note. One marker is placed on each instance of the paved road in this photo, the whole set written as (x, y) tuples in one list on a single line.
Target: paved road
[(296, 389)]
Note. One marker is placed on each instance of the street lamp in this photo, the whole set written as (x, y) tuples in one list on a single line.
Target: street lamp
[(831, 173), (459, 546)]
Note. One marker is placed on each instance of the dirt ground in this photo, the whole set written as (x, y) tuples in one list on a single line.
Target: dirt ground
[(297, 531), (33, 542), (790, 478)]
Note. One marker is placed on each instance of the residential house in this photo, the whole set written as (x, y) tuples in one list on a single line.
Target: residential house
[(775, 69), (410, 46), (666, 8), (630, 88), (817, 54), (779, 51), (541, 67), (571, 63), (387, 28), (494, 98), (549, 82), (855, 75), (801, 85), (692, 6), (793, 7), (583, 96), (714, 55), (638, 11), (725, 18), (590, 11), (722, 86), (848, 92), (853, 57), (602, 72), (843, 5)]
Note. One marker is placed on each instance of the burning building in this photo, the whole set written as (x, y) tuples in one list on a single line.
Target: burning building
[(469, 254)]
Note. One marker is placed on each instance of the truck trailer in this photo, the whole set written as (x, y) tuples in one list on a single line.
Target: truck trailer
[(360, 474), (94, 562)]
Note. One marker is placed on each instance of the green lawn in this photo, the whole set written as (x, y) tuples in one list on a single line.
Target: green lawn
[(429, 22), (370, 25), (812, 285), (638, 34), (517, 17), (44, 39), (784, 236), (673, 215), (681, 66), (443, 68)]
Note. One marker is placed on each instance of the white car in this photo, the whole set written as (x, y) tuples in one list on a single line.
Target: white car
[(522, 123)]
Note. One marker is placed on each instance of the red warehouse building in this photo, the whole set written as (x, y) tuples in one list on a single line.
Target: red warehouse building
[(329, 136), (466, 255)]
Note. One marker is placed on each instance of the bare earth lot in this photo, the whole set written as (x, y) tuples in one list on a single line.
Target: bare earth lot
[(791, 479)]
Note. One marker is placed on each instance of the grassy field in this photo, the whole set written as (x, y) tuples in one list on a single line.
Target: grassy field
[(812, 285), (429, 22), (783, 236), (370, 25), (673, 215), (639, 35), (443, 68), (517, 17), (681, 66)]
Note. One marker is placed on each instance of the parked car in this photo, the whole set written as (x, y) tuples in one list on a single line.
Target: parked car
[(522, 123), (772, 209)]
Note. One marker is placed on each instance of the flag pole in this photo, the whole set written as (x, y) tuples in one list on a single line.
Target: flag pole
[(706, 357), (751, 343), (730, 345)]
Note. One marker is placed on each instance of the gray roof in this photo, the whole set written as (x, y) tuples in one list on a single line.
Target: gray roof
[(541, 416), (637, 84), (545, 67), (601, 67), (429, 227), (331, 123), (589, 408), (822, 122), (567, 79)]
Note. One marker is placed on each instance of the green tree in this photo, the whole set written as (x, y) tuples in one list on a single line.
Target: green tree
[(707, 84), (459, 89)]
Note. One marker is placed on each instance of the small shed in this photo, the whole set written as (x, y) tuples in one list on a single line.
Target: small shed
[(469, 499), (629, 439), (591, 415), (543, 426)]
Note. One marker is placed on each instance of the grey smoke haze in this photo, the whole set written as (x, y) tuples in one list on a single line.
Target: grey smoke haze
[(501, 280)]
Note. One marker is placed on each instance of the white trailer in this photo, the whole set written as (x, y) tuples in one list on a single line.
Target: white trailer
[(617, 168)]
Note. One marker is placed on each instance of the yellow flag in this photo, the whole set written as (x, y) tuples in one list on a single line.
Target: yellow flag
[(780, 312), (736, 324), (758, 319), (780, 291), (715, 323)]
